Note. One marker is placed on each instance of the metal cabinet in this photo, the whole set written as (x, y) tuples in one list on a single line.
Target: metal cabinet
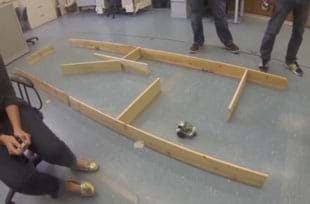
[(12, 42)]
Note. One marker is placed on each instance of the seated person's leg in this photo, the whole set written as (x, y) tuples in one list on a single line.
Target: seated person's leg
[(48, 145), (44, 141), (23, 177)]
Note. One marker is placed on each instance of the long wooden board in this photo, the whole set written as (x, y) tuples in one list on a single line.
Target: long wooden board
[(173, 150), (224, 69), (91, 67), (100, 45), (235, 99), (186, 155), (40, 54), (140, 103), (128, 65), (42, 85)]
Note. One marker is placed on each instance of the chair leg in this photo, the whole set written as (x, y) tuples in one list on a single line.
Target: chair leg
[(9, 197), (32, 40)]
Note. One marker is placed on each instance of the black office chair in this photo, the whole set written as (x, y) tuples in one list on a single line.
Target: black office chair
[(23, 85), (115, 7)]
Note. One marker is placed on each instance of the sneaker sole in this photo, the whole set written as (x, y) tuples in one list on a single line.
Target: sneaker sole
[(233, 51), (193, 52), (288, 68), (263, 69), (200, 48)]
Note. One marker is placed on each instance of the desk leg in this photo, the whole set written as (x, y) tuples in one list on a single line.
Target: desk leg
[(236, 18), (242, 8)]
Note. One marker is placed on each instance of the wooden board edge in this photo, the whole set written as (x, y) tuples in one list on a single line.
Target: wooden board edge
[(133, 55), (106, 57), (220, 68), (235, 99), (40, 54), (91, 67), (135, 108), (41, 85), (267, 79), (128, 65), (101, 45)]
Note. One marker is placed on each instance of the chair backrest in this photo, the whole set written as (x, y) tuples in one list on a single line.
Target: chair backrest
[(23, 85)]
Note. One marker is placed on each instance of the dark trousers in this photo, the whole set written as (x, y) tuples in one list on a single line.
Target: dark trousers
[(21, 175), (281, 11), (221, 25)]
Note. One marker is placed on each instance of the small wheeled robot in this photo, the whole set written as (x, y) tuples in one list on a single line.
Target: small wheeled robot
[(186, 130)]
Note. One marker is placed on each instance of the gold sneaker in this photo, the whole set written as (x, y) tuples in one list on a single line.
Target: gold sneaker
[(91, 166), (86, 189)]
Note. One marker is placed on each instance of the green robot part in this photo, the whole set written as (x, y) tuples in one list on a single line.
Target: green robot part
[(185, 130)]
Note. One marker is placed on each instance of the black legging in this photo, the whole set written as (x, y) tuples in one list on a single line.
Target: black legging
[(22, 176)]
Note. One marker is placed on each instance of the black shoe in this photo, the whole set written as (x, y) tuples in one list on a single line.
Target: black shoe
[(295, 68), (233, 48), (264, 66), (195, 47)]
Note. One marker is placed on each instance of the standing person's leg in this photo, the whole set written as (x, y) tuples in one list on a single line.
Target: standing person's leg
[(300, 13), (280, 12), (221, 24), (196, 23)]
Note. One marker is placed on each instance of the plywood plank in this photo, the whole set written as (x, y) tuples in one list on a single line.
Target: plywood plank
[(220, 68), (128, 65), (133, 55), (186, 155), (140, 103), (235, 99), (91, 67), (40, 54), (224, 69), (100, 45)]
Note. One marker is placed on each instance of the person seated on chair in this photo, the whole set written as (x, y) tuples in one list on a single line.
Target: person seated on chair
[(24, 123)]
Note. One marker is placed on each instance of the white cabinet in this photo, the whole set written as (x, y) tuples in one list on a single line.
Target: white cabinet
[(40, 12), (133, 6), (12, 42), (86, 2)]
